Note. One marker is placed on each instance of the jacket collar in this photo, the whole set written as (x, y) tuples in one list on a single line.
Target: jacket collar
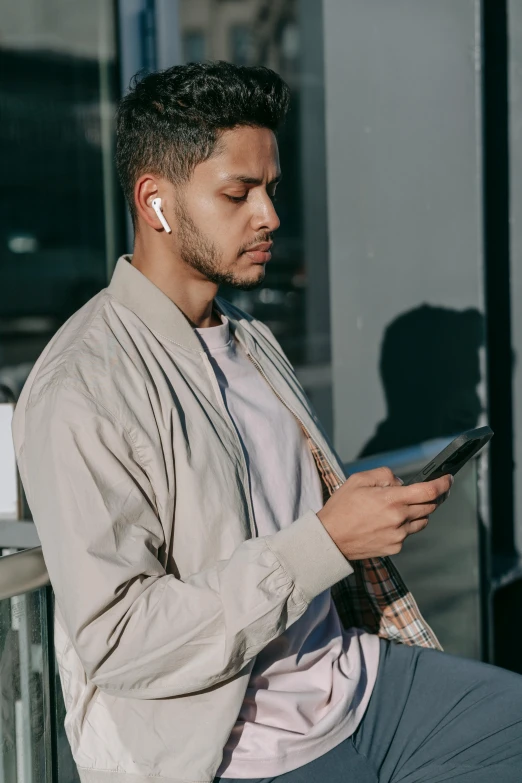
[(133, 290)]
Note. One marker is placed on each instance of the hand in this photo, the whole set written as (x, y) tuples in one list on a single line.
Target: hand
[(372, 514)]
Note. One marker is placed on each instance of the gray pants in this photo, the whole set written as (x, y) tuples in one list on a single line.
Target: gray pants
[(432, 717)]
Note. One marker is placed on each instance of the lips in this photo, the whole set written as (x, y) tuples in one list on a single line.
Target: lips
[(260, 253)]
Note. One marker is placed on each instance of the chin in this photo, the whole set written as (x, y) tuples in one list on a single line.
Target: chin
[(248, 282), (259, 272), (257, 276)]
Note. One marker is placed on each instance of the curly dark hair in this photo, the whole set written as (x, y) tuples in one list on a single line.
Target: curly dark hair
[(171, 120)]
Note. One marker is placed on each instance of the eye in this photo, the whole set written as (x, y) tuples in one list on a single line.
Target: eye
[(237, 199)]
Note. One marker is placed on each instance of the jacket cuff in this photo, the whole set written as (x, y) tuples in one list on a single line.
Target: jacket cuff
[(309, 555)]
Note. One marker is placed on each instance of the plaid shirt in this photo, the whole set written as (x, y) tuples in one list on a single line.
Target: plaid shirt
[(375, 597)]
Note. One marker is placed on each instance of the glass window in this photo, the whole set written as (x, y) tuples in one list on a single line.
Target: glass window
[(59, 203), (193, 46), (241, 44)]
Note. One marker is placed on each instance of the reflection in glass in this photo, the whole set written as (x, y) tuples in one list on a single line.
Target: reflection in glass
[(194, 46), (241, 44), (440, 399), (57, 194), (22, 711), (33, 744)]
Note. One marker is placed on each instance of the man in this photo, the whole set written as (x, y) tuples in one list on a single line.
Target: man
[(178, 477)]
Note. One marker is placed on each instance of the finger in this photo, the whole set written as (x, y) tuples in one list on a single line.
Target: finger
[(378, 477), (416, 525), (419, 511), (425, 492)]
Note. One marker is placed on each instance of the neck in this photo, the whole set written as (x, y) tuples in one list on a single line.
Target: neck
[(185, 286)]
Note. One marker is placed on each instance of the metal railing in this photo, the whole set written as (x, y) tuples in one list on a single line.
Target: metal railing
[(22, 572)]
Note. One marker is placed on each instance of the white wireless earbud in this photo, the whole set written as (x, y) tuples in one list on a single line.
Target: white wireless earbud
[(156, 206)]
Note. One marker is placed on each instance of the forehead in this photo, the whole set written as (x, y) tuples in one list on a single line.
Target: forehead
[(251, 152)]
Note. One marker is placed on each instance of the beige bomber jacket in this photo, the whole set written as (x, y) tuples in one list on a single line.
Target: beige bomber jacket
[(139, 491)]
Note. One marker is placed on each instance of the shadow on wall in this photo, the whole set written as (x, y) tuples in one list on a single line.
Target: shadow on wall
[(430, 371)]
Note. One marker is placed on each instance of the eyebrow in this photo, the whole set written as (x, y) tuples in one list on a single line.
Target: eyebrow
[(251, 180)]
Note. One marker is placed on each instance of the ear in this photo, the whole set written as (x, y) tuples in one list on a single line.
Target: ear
[(146, 189)]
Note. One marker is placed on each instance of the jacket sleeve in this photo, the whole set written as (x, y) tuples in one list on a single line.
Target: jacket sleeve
[(141, 632)]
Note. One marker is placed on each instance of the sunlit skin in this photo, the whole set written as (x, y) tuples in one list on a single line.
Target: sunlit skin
[(220, 215)]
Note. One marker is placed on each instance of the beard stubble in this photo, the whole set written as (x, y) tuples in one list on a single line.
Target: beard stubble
[(201, 254)]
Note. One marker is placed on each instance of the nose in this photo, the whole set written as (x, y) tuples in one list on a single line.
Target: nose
[(265, 217)]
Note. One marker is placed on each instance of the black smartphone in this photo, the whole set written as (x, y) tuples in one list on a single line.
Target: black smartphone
[(455, 455)]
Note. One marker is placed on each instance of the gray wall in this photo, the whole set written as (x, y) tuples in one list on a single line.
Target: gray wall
[(403, 128)]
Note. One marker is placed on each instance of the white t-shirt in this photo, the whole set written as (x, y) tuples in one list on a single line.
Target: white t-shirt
[(309, 688)]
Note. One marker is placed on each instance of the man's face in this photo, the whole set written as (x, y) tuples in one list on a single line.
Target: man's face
[(224, 214)]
